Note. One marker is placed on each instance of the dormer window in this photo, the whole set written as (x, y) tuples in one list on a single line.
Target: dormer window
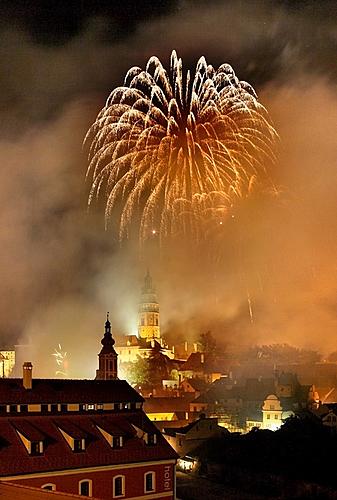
[(79, 445), (110, 435), (34, 447), (151, 439), (117, 441), (75, 438)]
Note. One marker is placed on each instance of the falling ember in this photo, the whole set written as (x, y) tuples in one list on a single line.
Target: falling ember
[(174, 150), (61, 358), (250, 308)]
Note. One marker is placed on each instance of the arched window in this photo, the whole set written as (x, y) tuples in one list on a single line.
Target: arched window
[(49, 486), (85, 487), (118, 486), (149, 482)]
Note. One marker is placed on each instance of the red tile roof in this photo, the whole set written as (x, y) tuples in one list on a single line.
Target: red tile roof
[(67, 391), (57, 455), (20, 492), (167, 405)]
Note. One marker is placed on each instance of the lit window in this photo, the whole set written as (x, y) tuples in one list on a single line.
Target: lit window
[(149, 482), (85, 488), (49, 486), (119, 486), (90, 407)]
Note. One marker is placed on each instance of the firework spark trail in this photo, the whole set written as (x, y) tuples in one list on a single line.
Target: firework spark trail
[(172, 150), (61, 359)]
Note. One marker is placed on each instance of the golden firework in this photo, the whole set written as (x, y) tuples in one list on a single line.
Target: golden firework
[(170, 151)]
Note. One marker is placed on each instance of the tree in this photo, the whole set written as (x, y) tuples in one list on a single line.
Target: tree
[(208, 342), (139, 372)]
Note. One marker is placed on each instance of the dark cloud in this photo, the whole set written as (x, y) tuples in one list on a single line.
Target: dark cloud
[(276, 259)]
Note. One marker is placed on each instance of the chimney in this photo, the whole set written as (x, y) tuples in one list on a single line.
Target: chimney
[(27, 375)]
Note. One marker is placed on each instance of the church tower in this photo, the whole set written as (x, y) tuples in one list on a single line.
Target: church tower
[(148, 312), (107, 358)]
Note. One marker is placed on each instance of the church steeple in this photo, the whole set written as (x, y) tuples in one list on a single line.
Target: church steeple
[(148, 312), (107, 358)]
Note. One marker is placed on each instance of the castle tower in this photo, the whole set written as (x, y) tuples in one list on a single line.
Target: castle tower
[(107, 358), (148, 312)]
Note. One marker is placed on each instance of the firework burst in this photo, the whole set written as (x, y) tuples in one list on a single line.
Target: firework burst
[(61, 359), (171, 151)]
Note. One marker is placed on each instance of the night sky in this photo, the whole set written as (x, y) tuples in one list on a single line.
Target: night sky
[(60, 271)]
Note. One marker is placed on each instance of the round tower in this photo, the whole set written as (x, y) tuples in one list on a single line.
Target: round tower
[(148, 312)]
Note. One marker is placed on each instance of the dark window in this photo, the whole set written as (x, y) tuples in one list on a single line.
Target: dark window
[(116, 442), (64, 408), (48, 487), (13, 408), (133, 406), (44, 408), (149, 486), (82, 407), (2, 408), (53, 408), (24, 408), (118, 486), (77, 445), (116, 406), (151, 439), (35, 448), (85, 488)]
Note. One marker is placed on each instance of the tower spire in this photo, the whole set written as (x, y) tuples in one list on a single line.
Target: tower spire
[(107, 358)]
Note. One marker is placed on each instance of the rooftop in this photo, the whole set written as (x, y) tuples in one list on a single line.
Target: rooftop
[(66, 391), (58, 455)]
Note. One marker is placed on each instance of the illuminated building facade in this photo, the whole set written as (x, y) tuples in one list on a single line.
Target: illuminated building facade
[(87, 437), (149, 337), (7, 362)]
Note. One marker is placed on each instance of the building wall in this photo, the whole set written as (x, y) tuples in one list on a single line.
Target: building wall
[(102, 481), (202, 430), (7, 363)]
